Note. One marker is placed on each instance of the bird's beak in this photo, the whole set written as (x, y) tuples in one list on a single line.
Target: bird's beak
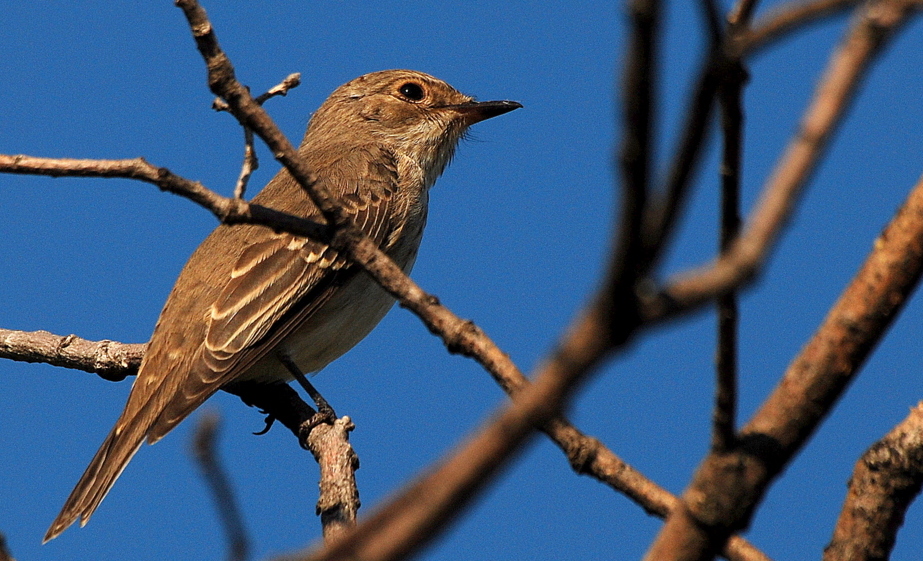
[(476, 111)]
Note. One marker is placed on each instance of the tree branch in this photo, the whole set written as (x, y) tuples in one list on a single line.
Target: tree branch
[(728, 486), (227, 210), (111, 360), (338, 501), (251, 163), (886, 480), (734, 77), (787, 19), (744, 258), (725, 411)]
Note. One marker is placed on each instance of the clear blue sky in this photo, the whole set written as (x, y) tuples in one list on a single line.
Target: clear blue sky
[(518, 231)]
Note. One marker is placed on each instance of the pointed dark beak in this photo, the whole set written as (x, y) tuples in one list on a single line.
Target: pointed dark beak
[(477, 111)]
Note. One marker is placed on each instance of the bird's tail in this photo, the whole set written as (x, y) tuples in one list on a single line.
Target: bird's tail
[(107, 465)]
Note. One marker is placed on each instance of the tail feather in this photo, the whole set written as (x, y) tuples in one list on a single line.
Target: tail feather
[(107, 465), (154, 408)]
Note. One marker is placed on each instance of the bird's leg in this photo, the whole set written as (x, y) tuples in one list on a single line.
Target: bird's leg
[(325, 413)]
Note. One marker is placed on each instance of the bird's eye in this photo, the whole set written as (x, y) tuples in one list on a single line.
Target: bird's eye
[(412, 91)]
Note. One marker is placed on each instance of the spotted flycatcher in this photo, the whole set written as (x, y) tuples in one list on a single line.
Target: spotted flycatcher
[(251, 300)]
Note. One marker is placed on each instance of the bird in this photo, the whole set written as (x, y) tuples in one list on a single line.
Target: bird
[(252, 304)]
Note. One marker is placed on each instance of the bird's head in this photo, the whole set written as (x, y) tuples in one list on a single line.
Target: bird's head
[(414, 113)]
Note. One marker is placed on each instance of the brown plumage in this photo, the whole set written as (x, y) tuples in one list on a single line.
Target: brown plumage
[(247, 293)]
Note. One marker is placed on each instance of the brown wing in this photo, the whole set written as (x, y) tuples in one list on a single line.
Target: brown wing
[(279, 281), (266, 282)]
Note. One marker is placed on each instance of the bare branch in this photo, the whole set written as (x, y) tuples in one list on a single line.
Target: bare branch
[(291, 81), (733, 79), (111, 360), (251, 163), (338, 502), (886, 480), (742, 261), (227, 210), (204, 441), (728, 486), (787, 19)]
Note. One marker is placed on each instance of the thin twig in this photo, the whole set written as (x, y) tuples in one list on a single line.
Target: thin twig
[(204, 441), (249, 165), (786, 19), (290, 82), (281, 89), (660, 222), (733, 78), (250, 162)]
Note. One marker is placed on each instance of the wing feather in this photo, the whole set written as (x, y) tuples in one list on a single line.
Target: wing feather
[(280, 280)]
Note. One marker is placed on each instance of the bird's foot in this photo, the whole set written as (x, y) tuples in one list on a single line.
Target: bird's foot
[(270, 419), (324, 415)]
